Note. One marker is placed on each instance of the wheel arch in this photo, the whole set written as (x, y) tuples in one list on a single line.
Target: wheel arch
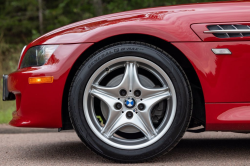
[(198, 117)]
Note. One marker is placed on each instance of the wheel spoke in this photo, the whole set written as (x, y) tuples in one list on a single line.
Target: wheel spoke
[(147, 93), (106, 98), (114, 122), (145, 115), (150, 102), (131, 82), (135, 84), (114, 115), (112, 91), (124, 84), (113, 125), (144, 124)]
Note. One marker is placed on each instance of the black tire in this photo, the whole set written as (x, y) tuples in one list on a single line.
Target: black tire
[(175, 73)]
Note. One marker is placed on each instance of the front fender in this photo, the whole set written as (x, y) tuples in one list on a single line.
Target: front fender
[(164, 24), (158, 29)]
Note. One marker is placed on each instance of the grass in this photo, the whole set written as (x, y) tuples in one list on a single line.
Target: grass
[(6, 107), (6, 116)]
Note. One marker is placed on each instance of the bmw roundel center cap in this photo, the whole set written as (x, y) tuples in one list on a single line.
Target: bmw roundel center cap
[(130, 102)]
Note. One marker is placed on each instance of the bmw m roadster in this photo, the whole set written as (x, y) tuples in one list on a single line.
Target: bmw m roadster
[(132, 83)]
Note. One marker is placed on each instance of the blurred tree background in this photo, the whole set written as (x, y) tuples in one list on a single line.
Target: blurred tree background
[(21, 21)]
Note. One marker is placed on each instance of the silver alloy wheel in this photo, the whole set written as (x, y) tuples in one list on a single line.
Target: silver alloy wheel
[(129, 114)]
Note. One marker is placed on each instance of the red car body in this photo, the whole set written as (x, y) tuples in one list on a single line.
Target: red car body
[(224, 79)]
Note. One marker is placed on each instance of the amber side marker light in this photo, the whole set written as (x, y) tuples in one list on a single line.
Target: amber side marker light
[(41, 80)]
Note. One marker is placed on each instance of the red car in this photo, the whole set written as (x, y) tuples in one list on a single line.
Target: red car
[(132, 83)]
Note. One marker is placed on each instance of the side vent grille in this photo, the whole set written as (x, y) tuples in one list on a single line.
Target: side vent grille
[(228, 31)]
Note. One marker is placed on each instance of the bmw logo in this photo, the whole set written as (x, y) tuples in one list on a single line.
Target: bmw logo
[(130, 102)]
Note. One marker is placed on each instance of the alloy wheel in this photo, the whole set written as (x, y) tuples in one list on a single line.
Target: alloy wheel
[(121, 97)]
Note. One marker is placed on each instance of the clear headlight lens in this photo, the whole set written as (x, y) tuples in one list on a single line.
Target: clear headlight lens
[(37, 55)]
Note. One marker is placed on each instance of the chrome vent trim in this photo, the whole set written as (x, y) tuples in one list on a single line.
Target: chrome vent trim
[(228, 30)]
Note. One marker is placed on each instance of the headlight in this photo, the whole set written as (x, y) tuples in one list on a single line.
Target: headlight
[(37, 55)]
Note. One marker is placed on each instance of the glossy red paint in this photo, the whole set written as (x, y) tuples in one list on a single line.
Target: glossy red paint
[(225, 82), (228, 117), (40, 105), (224, 78), (200, 28)]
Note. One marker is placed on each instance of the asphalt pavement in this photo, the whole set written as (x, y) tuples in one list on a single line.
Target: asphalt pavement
[(48, 147)]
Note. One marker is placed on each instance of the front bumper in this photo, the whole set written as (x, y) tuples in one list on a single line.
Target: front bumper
[(40, 105), (37, 105), (6, 94)]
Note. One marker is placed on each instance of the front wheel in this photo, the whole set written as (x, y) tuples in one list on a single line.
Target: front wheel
[(130, 102)]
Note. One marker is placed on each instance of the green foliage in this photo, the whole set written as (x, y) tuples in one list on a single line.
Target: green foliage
[(118, 5), (19, 25)]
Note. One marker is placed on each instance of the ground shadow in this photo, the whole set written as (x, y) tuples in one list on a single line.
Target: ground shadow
[(186, 150), (208, 149)]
